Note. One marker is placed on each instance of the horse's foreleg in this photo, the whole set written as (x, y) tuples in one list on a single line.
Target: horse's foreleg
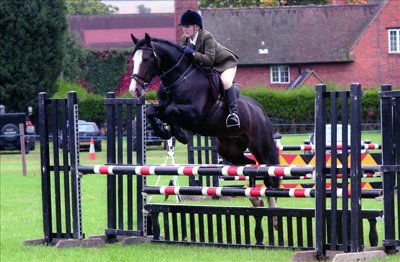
[(180, 134), (272, 204), (158, 128), (272, 182)]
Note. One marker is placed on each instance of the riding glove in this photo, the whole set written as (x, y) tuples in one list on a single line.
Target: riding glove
[(187, 50)]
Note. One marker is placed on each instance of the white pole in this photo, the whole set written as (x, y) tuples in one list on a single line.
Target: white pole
[(170, 154)]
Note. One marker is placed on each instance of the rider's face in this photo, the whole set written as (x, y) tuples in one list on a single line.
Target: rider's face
[(189, 30)]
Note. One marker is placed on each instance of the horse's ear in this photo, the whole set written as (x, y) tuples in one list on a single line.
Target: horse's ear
[(134, 39), (147, 38)]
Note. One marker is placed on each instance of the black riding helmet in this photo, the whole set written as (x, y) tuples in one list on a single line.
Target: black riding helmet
[(191, 18)]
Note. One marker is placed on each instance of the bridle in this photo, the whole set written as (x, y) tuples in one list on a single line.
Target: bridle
[(144, 81)]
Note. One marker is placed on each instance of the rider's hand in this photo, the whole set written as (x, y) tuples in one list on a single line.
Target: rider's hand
[(187, 50)]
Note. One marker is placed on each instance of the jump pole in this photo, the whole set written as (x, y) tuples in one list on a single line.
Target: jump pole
[(196, 170), (250, 192)]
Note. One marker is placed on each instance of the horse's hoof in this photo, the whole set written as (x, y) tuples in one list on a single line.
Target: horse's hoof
[(256, 202)]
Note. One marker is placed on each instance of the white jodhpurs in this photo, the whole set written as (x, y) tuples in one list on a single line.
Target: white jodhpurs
[(227, 77)]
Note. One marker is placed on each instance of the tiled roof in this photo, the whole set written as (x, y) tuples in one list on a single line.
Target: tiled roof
[(289, 35), (113, 31)]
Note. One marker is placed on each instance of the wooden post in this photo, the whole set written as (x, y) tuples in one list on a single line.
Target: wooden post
[(22, 142)]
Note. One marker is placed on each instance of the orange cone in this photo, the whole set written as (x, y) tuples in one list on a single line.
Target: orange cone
[(92, 152)]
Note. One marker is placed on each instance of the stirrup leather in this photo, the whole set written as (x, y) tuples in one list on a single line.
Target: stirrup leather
[(235, 118)]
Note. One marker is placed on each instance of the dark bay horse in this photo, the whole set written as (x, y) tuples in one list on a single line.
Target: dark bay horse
[(187, 101)]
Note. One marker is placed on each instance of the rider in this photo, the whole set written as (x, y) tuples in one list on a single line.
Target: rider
[(200, 45)]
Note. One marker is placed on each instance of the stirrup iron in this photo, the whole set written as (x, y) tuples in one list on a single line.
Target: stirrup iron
[(235, 118)]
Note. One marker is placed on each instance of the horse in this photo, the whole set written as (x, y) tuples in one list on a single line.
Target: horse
[(188, 101)]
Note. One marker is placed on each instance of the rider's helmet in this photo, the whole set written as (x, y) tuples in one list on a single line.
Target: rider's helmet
[(191, 18)]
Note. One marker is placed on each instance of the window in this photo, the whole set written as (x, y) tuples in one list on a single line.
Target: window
[(394, 41), (280, 74)]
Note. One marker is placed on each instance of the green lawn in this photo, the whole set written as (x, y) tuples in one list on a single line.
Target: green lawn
[(21, 217)]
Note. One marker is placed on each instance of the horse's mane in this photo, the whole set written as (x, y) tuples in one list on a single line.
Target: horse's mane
[(142, 42)]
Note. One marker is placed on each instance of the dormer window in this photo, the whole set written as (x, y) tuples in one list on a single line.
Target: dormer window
[(394, 40)]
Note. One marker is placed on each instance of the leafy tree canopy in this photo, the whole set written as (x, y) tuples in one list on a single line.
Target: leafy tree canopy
[(143, 10), (31, 50), (89, 7)]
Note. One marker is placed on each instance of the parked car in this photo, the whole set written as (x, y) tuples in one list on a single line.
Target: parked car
[(87, 130), (9, 131)]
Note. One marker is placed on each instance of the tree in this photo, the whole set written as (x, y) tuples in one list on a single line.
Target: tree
[(74, 57), (89, 7), (31, 50), (143, 10)]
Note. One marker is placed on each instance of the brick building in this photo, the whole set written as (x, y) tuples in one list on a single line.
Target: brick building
[(285, 47), (280, 47)]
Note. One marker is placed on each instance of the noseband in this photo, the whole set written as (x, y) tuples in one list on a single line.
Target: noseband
[(141, 81)]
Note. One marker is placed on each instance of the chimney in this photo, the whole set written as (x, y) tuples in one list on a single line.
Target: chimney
[(180, 7)]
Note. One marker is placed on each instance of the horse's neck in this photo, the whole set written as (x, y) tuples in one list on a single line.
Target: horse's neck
[(173, 67)]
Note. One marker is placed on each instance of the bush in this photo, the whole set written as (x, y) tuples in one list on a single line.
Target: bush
[(370, 106), (98, 71), (93, 109), (64, 87), (91, 106), (295, 105), (104, 69)]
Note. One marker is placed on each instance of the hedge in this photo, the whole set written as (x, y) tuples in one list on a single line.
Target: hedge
[(297, 106), (288, 106), (99, 71), (91, 106)]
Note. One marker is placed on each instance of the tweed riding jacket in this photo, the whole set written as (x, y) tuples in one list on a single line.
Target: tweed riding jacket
[(210, 53)]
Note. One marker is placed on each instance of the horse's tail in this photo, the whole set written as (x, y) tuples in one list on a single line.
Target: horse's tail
[(273, 158)]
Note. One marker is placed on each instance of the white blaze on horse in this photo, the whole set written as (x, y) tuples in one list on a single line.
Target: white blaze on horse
[(137, 60)]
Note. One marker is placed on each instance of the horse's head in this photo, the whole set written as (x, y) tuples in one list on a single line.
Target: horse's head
[(145, 67)]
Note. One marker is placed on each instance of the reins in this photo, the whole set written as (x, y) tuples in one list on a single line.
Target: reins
[(172, 68), (185, 75)]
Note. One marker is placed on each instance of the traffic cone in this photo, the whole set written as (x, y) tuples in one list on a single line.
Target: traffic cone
[(92, 152)]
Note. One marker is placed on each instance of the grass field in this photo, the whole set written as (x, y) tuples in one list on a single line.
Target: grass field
[(21, 217)]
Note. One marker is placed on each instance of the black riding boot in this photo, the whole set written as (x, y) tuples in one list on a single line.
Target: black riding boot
[(232, 121)]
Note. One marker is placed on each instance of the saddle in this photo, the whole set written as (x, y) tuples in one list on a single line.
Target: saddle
[(216, 85), (216, 93)]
